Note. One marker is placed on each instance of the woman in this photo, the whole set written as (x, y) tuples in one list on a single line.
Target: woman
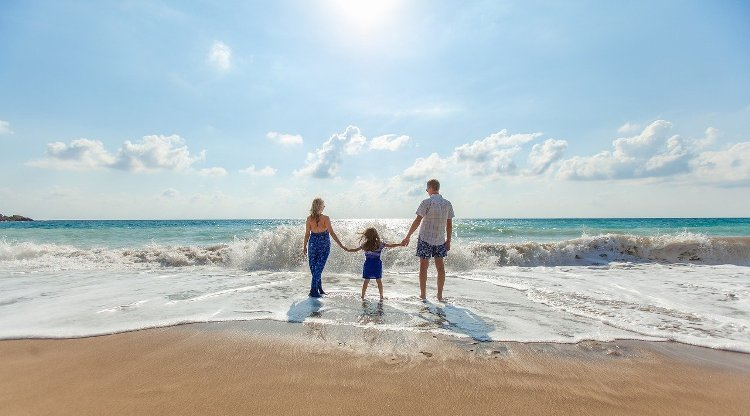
[(318, 244)]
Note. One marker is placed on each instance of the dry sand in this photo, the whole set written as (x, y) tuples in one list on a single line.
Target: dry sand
[(284, 369)]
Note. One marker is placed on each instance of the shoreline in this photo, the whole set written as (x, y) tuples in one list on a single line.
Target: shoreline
[(264, 367), (287, 331), (273, 327)]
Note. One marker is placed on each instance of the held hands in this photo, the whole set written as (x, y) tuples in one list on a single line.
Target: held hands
[(405, 242), (345, 248)]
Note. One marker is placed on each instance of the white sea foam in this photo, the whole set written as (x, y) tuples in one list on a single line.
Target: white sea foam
[(685, 287)]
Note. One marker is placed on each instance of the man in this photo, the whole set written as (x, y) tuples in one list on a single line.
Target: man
[(435, 214)]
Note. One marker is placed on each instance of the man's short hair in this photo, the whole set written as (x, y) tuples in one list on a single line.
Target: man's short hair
[(434, 184)]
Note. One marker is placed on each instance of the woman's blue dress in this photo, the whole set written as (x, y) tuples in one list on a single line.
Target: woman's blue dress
[(318, 248)]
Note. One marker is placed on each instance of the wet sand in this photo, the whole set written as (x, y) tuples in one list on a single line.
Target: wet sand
[(295, 369)]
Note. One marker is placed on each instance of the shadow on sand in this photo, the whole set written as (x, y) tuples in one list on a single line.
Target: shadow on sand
[(457, 319), (302, 309)]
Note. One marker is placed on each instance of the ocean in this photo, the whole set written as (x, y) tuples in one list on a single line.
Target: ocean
[(527, 280)]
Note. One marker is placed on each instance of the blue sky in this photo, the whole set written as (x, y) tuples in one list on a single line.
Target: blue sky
[(145, 109)]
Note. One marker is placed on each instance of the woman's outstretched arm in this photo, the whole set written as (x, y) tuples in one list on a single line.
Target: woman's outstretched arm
[(307, 236), (333, 234)]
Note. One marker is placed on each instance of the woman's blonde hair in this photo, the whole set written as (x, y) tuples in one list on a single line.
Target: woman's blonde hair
[(316, 209), (369, 240)]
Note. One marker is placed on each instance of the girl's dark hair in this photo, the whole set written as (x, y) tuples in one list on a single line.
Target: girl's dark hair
[(369, 240)]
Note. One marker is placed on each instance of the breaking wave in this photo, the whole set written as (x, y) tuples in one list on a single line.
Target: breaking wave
[(605, 248), (281, 249)]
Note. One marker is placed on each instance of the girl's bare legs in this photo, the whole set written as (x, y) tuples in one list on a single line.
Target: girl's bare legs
[(380, 288), (364, 287)]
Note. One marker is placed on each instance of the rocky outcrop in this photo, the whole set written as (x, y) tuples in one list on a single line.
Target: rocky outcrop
[(14, 218)]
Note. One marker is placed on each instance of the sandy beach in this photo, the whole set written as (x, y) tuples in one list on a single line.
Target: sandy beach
[(276, 368)]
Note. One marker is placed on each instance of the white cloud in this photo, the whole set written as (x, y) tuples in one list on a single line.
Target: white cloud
[(5, 128), (425, 168), (599, 166), (220, 56), (353, 139), (490, 156), (644, 144), (390, 142), (712, 135), (543, 155), (80, 154), (215, 172), (674, 160), (628, 128), (653, 152), (252, 171), (285, 140), (153, 153), (325, 161), (731, 166), (493, 154)]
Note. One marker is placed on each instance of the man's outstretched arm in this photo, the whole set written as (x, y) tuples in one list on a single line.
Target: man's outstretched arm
[(414, 226), (448, 232)]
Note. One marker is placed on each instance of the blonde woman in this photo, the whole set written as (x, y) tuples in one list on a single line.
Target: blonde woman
[(317, 244)]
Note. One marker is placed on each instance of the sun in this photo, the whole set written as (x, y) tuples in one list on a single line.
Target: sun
[(364, 15)]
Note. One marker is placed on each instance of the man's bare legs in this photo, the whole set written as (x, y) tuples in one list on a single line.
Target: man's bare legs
[(440, 266), (423, 264)]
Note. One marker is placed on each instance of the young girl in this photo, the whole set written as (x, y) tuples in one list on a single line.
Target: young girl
[(370, 242)]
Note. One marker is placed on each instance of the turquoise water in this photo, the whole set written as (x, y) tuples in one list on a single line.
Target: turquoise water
[(120, 234), (545, 230)]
